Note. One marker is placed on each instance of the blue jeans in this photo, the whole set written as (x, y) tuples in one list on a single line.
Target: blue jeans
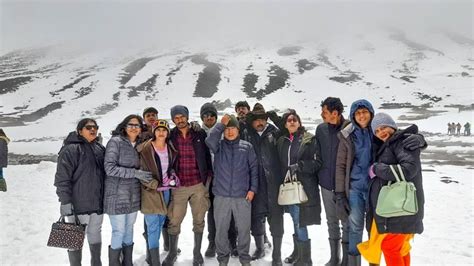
[(357, 201), (301, 232), (1, 172), (154, 224), (122, 229)]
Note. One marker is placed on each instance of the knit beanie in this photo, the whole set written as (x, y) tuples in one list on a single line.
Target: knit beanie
[(160, 123), (242, 104), (382, 119), (233, 122), (208, 108), (179, 110)]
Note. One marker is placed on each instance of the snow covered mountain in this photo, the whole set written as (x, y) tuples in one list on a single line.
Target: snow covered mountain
[(425, 79)]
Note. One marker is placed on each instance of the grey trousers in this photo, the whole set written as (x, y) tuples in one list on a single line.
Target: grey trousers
[(241, 209), (334, 229), (93, 228)]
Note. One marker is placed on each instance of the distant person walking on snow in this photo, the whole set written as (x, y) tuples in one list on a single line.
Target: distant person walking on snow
[(458, 129), (449, 129), (467, 129), (79, 182), (4, 140)]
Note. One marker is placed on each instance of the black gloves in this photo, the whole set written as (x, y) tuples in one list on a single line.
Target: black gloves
[(66, 209), (143, 176), (414, 141), (342, 206)]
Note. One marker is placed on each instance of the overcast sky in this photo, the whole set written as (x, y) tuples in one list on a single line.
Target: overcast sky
[(160, 23)]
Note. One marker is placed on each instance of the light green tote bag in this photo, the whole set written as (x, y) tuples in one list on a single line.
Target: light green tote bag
[(397, 199)]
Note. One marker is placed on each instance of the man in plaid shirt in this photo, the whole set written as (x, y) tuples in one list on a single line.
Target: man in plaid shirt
[(194, 169)]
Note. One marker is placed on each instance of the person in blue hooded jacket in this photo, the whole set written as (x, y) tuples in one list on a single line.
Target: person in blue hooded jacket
[(354, 158)]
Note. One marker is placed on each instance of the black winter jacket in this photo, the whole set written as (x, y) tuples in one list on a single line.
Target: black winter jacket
[(269, 173), (80, 174), (302, 150), (327, 143), (389, 153)]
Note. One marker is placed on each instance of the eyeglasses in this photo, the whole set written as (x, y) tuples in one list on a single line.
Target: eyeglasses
[(289, 120), (90, 127), (133, 126)]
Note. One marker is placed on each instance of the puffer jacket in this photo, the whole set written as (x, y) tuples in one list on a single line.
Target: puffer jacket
[(80, 174), (122, 189), (152, 200), (4, 151), (392, 152), (354, 151), (303, 151), (235, 165)]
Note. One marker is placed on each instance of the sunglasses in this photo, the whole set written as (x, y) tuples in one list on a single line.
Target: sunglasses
[(289, 120), (207, 115), (134, 125), (90, 127)]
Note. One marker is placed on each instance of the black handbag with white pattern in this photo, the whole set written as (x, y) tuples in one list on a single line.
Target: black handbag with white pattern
[(67, 235)]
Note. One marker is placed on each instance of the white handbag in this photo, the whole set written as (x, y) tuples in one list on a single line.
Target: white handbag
[(291, 191)]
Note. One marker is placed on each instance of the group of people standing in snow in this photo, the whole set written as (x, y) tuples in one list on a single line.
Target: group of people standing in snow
[(231, 168), (455, 129)]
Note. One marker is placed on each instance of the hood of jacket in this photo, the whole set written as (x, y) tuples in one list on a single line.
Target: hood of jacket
[(360, 104)]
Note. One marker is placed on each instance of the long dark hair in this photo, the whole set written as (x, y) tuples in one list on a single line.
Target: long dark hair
[(120, 129), (83, 122), (2, 133)]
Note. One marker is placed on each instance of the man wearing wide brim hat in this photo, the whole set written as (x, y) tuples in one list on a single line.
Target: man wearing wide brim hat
[(263, 136)]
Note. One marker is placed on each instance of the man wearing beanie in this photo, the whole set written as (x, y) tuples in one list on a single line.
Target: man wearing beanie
[(234, 186), (327, 145), (194, 168), (263, 137), (209, 119), (208, 116)]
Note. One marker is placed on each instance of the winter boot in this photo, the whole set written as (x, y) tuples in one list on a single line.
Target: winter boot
[(304, 251), (166, 241), (75, 257), (335, 245), (345, 254), (154, 256), (114, 256), (353, 260), (171, 258), (127, 252), (266, 242), (147, 257), (294, 255), (211, 250), (260, 249), (3, 185), (233, 248), (95, 254), (276, 254), (197, 256)]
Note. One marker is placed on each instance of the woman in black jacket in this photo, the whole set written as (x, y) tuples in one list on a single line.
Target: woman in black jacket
[(296, 151), (79, 182), (394, 232)]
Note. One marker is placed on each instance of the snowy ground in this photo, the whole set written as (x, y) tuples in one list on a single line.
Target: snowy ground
[(30, 206)]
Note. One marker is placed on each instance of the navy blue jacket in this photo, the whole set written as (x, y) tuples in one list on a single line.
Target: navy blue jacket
[(235, 165), (327, 143)]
